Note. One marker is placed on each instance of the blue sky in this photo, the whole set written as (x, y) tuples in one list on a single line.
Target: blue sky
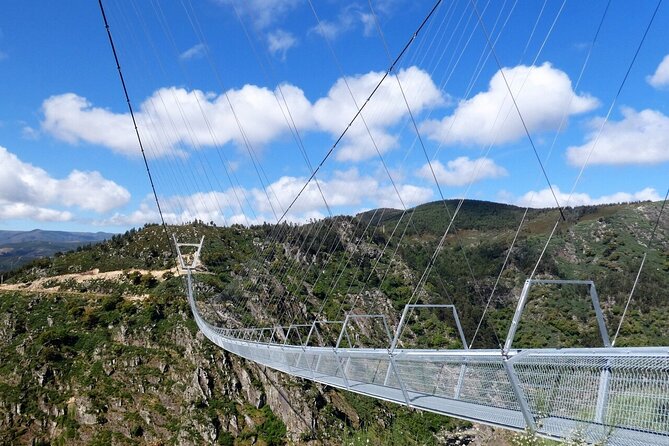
[(231, 97)]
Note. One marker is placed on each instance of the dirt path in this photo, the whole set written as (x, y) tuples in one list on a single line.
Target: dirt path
[(52, 284)]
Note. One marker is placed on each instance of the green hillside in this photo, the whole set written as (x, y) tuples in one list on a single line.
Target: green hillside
[(99, 347)]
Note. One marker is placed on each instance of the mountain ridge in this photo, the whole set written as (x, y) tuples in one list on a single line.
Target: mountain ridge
[(43, 235), (20, 247)]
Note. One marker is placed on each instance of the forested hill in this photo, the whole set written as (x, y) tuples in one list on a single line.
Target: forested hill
[(98, 345)]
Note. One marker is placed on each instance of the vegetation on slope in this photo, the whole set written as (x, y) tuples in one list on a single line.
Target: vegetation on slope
[(118, 359)]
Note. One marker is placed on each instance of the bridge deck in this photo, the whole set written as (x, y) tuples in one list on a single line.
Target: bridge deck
[(475, 385)]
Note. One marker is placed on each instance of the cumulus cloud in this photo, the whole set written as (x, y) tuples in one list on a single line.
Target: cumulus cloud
[(386, 108), (639, 138), (410, 195), (660, 78), (344, 190), (543, 94), (72, 118), (173, 119), (27, 191), (279, 42), (544, 198), (146, 213), (194, 52), (90, 190), (15, 211), (462, 171)]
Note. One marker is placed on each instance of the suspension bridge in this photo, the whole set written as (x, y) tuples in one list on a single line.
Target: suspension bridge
[(602, 395), (606, 395)]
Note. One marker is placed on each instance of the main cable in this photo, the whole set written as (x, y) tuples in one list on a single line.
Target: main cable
[(134, 122)]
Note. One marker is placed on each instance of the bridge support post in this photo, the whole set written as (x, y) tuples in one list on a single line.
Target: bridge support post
[(461, 380), (385, 380), (304, 346), (602, 395), (520, 395), (391, 363), (341, 370), (516, 317)]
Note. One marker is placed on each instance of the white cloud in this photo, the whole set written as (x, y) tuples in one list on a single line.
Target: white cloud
[(233, 166), (386, 108), (90, 190), (352, 17), (347, 19), (279, 42), (544, 198), (26, 191), (72, 118), (3, 55), (28, 132), (543, 94), (15, 211), (388, 7), (173, 119), (368, 24), (345, 188), (411, 196), (262, 13), (194, 52), (660, 78), (639, 138), (344, 191), (462, 171), (327, 29), (147, 213)]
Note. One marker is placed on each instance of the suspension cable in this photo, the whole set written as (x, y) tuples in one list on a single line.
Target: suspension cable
[(594, 145), (362, 107), (134, 123), (601, 128), (562, 123), (515, 104)]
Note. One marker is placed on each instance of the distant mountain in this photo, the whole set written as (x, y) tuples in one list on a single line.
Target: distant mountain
[(20, 247), (38, 235)]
